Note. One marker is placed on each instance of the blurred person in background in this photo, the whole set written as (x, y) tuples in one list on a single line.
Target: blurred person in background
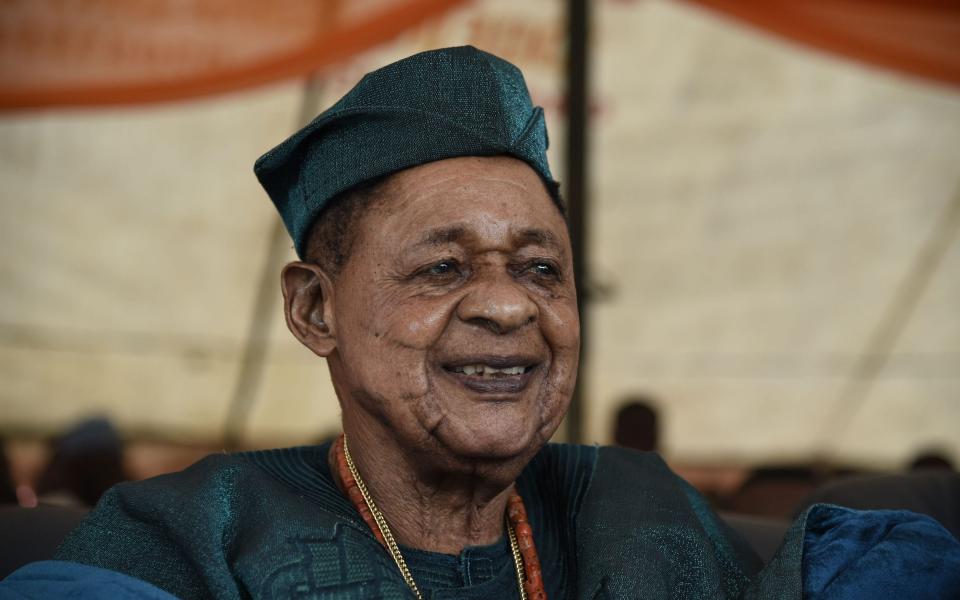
[(87, 461), (774, 490), (931, 460), (437, 281), (8, 493), (637, 425)]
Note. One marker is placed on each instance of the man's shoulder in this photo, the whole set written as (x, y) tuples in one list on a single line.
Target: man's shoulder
[(219, 476), (577, 460), (635, 521), (181, 531), (218, 483), (582, 473)]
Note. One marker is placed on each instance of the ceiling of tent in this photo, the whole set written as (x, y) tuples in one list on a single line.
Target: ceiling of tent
[(773, 245)]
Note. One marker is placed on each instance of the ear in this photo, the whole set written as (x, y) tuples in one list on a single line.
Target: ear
[(308, 306)]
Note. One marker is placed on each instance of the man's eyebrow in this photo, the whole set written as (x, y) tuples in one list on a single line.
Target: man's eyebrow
[(442, 235), (539, 237)]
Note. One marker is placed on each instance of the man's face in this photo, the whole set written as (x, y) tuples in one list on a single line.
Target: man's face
[(455, 316)]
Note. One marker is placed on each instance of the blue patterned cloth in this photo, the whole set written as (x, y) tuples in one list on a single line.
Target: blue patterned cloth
[(54, 579), (851, 554)]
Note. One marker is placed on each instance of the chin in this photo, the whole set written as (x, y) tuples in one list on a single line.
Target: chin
[(492, 441)]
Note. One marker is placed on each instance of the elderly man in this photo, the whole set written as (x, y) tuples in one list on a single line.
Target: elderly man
[(436, 280)]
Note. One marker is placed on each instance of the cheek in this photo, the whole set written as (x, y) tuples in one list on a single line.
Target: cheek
[(560, 324), (381, 316), (417, 325), (393, 342)]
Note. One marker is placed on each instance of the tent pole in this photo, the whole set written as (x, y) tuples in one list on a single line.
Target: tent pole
[(575, 186), (253, 362)]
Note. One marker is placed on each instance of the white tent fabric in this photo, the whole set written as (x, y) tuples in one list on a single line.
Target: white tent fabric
[(774, 246), (764, 216), (133, 244)]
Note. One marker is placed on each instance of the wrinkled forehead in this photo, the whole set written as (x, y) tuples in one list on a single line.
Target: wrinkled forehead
[(452, 200)]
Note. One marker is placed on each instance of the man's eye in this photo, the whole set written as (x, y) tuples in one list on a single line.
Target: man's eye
[(543, 269), (446, 267)]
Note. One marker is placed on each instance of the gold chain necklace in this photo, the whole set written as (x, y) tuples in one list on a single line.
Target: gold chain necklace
[(395, 549)]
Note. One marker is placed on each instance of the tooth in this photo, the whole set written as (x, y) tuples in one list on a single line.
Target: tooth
[(488, 371)]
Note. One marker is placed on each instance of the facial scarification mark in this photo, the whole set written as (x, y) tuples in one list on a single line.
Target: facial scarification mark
[(432, 413)]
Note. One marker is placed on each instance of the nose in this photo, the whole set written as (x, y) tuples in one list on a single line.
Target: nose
[(497, 303)]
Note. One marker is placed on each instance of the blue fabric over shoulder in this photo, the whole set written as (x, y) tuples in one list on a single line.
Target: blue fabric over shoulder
[(852, 554), (53, 579)]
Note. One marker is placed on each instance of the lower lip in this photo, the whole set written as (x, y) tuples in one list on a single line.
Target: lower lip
[(499, 384)]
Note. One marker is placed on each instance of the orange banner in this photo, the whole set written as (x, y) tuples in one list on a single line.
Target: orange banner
[(110, 52), (915, 37), (114, 52)]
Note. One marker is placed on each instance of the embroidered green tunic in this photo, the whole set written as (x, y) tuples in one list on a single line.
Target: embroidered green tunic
[(608, 523)]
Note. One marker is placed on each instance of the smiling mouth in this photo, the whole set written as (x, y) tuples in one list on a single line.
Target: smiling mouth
[(502, 377)]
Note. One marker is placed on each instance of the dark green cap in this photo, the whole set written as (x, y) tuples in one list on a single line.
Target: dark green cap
[(431, 106)]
